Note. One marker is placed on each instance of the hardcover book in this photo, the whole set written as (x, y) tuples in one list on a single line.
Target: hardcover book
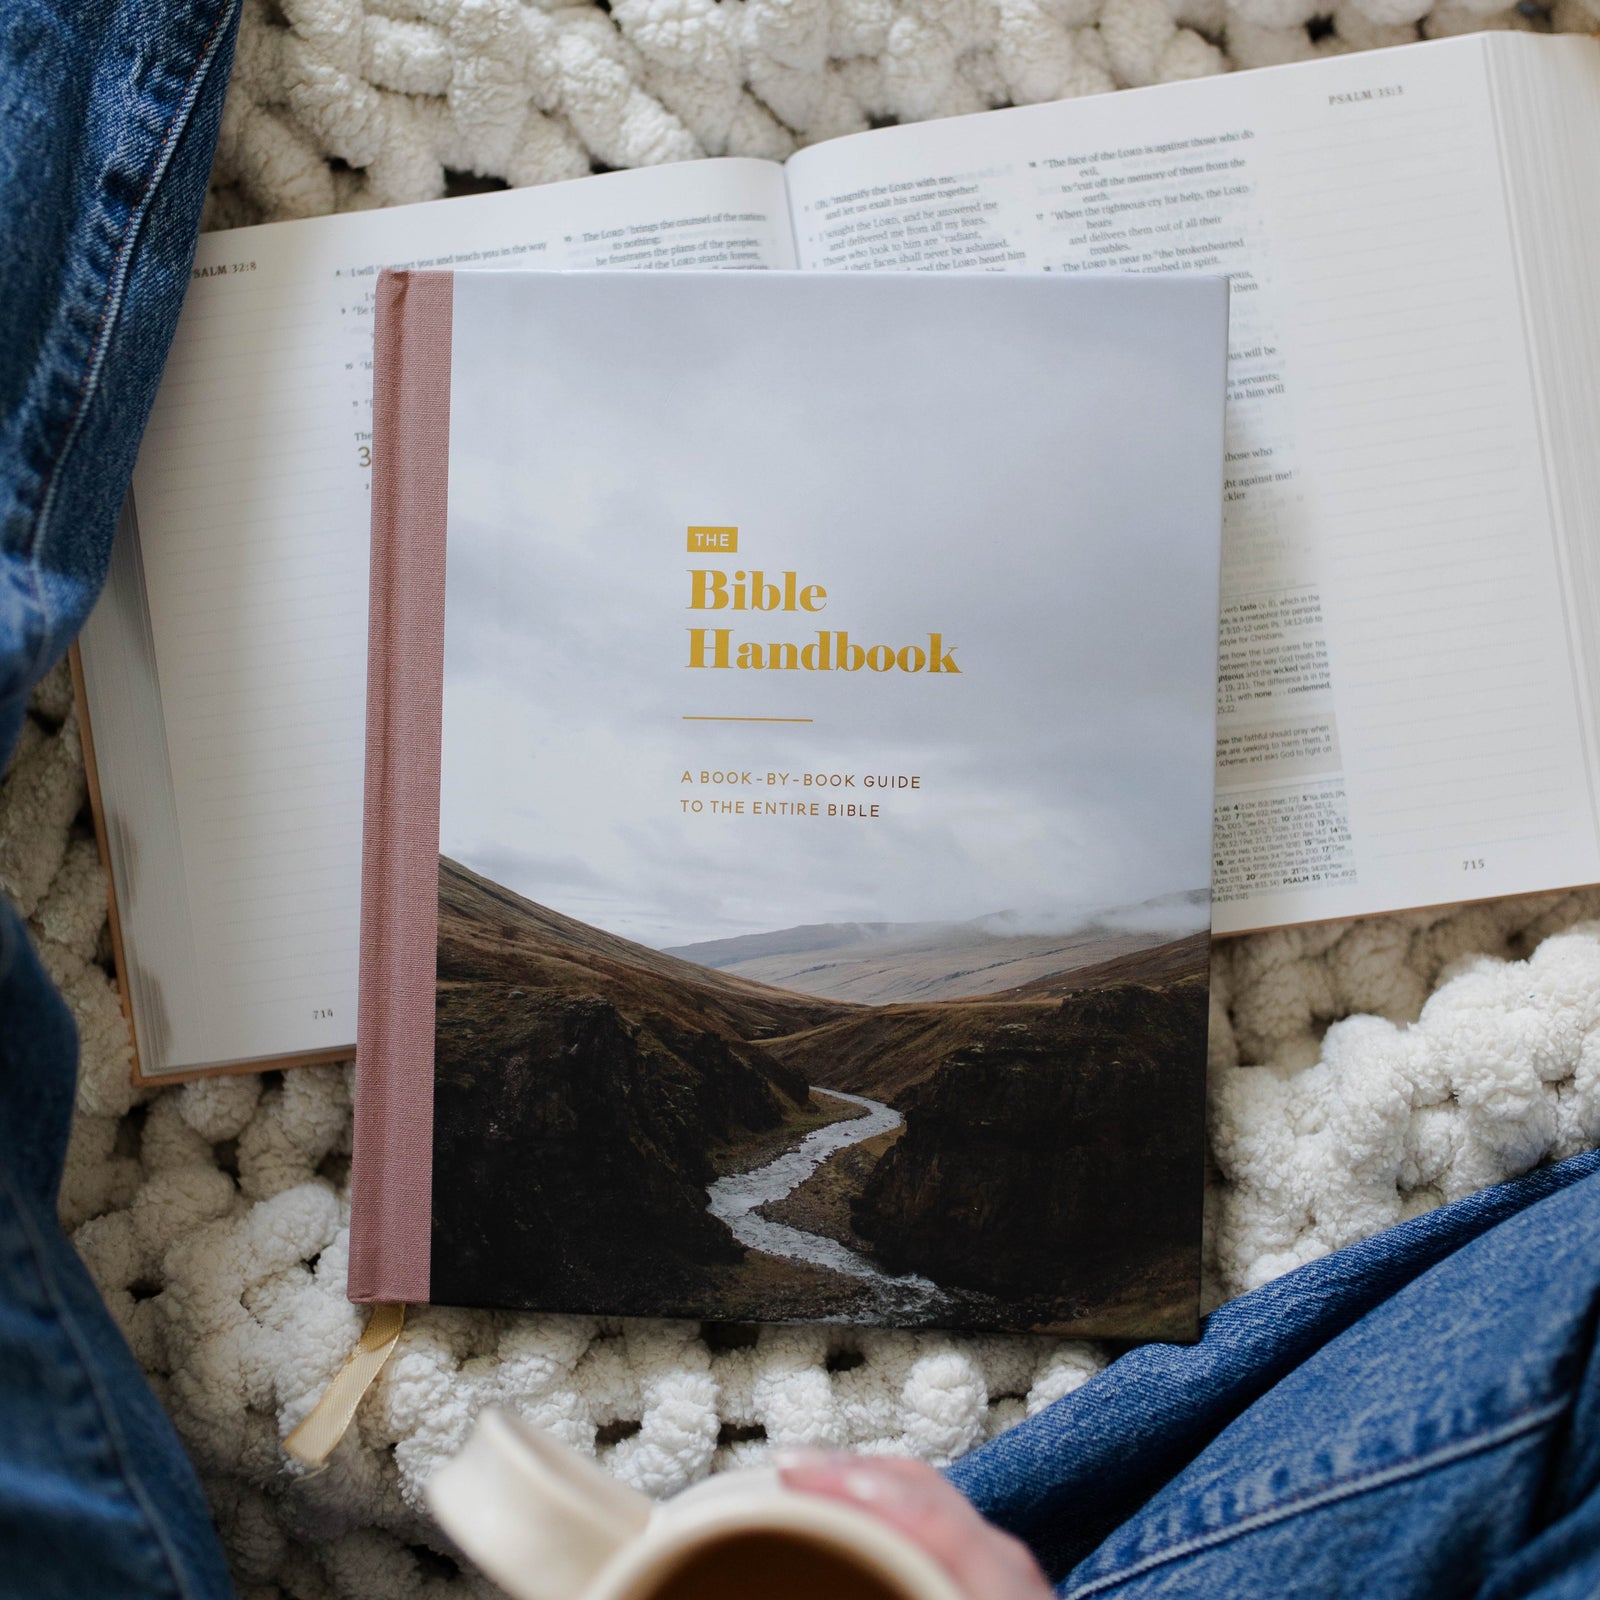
[(788, 842)]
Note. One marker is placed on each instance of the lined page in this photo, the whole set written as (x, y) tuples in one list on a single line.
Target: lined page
[(1396, 718), (252, 492)]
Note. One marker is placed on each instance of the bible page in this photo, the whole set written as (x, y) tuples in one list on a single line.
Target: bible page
[(1397, 721), (252, 493)]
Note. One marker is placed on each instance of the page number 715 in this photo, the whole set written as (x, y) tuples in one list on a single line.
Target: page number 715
[(1473, 864)]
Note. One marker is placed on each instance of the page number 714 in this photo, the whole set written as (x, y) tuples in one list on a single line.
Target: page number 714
[(321, 1013)]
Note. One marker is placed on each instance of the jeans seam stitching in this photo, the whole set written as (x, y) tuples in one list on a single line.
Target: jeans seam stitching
[(111, 302), (117, 1444), (1341, 1489)]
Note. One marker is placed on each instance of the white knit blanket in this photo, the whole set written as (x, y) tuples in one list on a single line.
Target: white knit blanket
[(1361, 1073), (339, 104)]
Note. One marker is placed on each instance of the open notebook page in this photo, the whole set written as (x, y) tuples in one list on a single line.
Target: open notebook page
[(1397, 723), (252, 501)]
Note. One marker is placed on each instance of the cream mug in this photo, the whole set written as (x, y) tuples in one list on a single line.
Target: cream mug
[(546, 1524)]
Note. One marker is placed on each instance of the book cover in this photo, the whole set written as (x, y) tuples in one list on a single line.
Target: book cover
[(789, 797)]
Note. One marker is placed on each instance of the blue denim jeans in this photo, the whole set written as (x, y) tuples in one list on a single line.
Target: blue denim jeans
[(1418, 1415), (108, 120)]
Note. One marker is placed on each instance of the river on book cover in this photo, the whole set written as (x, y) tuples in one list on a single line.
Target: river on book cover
[(979, 1125)]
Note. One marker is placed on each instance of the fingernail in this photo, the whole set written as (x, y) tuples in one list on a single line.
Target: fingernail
[(873, 1488), (797, 1457)]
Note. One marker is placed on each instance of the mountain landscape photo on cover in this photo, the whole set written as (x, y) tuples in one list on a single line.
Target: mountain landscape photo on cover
[(828, 732), (955, 1125)]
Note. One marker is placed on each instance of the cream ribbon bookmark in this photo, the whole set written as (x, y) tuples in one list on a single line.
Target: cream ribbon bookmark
[(313, 1441)]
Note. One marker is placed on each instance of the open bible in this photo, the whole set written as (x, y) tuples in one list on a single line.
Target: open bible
[(1409, 667)]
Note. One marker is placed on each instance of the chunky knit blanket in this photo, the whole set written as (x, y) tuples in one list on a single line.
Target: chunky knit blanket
[(1360, 1072), (338, 104)]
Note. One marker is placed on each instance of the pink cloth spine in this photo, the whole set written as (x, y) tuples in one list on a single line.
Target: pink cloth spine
[(391, 1186)]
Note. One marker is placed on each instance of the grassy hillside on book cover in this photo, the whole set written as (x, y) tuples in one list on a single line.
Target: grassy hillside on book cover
[(621, 1129)]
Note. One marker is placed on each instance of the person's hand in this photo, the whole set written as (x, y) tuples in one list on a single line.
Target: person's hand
[(985, 1563)]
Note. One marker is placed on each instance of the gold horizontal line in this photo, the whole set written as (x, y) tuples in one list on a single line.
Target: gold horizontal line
[(746, 719)]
